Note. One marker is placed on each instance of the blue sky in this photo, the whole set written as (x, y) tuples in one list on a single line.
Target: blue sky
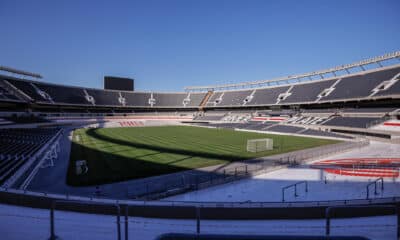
[(168, 44)]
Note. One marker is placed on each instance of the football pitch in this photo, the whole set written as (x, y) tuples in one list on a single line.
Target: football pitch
[(117, 154)]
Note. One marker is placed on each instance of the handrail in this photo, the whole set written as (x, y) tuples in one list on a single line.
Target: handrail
[(375, 184), (36, 200), (295, 188)]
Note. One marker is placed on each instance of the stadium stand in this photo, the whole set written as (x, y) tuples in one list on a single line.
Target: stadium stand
[(307, 92), (214, 99), (18, 145), (6, 95), (392, 90), (208, 118), (195, 99), (253, 125), (300, 104), (64, 94), (102, 97), (368, 110), (4, 121), (323, 133), (234, 98), (285, 129), (29, 89), (306, 120), (267, 96), (138, 99), (237, 117), (318, 111), (355, 122), (361, 85), (169, 99)]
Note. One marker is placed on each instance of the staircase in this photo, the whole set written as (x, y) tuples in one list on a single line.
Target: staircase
[(205, 100), (16, 92)]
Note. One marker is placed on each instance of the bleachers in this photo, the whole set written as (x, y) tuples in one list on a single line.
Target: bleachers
[(213, 99), (323, 133), (285, 129), (368, 110), (19, 145), (5, 95), (64, 94), (234, 98), (207, 117), (267, 96), (255, 125), (392, 90), (169, 99), (307, 92), (107, 98), (137, 99), (343, 88), (355, 122), (359, 86), (28, 89), (195, 99)]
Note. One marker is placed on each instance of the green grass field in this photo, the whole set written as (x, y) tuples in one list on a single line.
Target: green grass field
[(117, 154)]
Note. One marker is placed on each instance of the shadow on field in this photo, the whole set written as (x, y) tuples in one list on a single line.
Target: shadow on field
[(105, 167)]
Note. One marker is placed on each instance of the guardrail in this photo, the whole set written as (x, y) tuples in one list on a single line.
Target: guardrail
[(194, 212), (295, 188), (375, 183), (176, 209), (54, 204)]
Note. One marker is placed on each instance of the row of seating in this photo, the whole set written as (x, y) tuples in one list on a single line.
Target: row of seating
[(19, 145), (382, 82), (275, 127), (338, 121), (50, 93), (6, 95), (355, 122), (363, 85)]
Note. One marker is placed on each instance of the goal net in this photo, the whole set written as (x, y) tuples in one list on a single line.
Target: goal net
[(259, 145)]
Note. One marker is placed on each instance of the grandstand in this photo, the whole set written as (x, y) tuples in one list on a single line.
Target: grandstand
[(132, 149)]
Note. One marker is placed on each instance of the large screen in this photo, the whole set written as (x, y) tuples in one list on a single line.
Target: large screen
[(119, 83)]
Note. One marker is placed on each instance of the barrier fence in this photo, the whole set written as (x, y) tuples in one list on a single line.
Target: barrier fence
[(123, 213)]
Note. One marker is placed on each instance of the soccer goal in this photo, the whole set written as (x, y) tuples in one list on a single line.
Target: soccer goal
[(260, 145)]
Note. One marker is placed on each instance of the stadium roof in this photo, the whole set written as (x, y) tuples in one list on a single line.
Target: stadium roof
[(309, 76), (20, 72)]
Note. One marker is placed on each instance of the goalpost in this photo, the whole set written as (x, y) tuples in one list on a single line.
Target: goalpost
[(260, 145)]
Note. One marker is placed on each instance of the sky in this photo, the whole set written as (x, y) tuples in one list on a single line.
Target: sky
[(169, 44)]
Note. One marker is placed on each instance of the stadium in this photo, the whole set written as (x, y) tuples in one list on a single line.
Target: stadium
[(313, 155)]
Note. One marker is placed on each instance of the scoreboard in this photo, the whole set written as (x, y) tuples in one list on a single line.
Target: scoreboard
[(119, 83)]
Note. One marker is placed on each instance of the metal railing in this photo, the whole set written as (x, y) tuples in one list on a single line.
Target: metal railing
[(375, 183), (330, 212), (54, 204), (295, 188)]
